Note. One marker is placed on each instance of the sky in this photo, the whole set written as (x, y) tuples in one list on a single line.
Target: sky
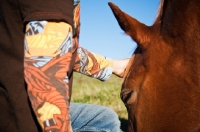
[(100, 32)]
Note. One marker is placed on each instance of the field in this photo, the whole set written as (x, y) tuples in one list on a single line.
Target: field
[(93, 91)]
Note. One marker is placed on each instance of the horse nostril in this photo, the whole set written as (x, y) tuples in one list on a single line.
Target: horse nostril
[(126, 95)]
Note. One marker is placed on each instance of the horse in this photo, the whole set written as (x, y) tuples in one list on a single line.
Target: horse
[(161, 87)]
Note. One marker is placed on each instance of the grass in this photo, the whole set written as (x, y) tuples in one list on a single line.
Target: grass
[(93, 91)]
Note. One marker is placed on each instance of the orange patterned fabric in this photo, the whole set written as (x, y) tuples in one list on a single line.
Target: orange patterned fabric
[(49, 50), (48, 53)]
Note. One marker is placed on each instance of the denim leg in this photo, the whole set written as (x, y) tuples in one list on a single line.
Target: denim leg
[(93, 118)]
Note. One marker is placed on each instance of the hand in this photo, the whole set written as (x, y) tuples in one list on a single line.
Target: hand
[(120, 67)]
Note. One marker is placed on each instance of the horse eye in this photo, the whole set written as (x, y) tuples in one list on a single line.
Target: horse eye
[(126, 95)]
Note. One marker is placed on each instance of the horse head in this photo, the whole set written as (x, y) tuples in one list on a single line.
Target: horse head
[(161, 88)]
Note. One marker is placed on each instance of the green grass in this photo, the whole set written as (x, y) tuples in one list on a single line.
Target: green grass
[(93, 91)]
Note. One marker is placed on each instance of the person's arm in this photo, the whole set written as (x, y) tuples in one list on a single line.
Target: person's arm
[(98, 66), (92, 64), (48, 54)]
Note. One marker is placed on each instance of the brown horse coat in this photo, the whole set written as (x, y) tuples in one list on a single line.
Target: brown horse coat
[(161, 89)]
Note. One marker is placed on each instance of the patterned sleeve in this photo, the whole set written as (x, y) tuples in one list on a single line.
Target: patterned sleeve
[(93, 65), (49, 49), (89, 63), (48, 53)]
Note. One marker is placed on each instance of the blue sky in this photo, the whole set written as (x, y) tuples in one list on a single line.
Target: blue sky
[(100, 32)]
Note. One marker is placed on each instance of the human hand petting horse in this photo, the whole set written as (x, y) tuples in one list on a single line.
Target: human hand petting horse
[(119, 67)]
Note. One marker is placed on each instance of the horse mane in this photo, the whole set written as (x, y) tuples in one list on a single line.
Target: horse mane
[(159, 12), (179, 20)]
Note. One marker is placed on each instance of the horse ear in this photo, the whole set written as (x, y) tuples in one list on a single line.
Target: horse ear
[(132, 27)]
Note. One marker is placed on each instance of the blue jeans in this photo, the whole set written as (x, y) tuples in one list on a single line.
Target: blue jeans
[(93, 118)]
